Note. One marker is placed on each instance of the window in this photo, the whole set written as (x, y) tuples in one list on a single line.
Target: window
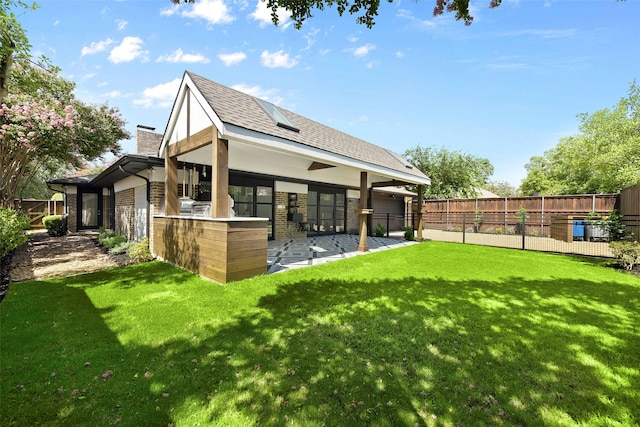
[(277, 116), (252, 198)]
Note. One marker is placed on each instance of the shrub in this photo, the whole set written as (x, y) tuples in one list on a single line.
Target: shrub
[(56, 225), (477, 220), (380, 230), (627, 253), (110, 239), (408, 233), (12, 224), (612, 225), (120, 248), (139, 252)]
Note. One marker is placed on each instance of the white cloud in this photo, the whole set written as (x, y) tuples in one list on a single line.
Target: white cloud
[(277, 59), (178, 56), (230, 59), (262, 14), (96, 47), (310, 38), (115, 94), (121, 24), (545, 34), (128, 50), (360, 119), (362, 51), (417, 22), (161, 95), (213, 11), (270, 95), (507, 66), (400, 54), (352, 39)]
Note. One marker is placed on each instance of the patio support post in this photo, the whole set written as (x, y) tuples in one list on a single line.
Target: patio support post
[(171, 185), (219, 177), (363, 246), (420, 194)]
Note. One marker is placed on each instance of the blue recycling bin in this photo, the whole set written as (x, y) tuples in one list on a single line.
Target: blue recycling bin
[(578, 230)]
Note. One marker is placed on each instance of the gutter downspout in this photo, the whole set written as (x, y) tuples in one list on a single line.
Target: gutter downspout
[(148, 195)]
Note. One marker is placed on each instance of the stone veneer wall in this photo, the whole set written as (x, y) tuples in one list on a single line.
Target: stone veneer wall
[(285, 229), (125, 213), (72, 208), (353, 220), (156, 206)]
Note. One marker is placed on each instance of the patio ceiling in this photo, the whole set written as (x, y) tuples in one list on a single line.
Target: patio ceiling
[(267, 160)]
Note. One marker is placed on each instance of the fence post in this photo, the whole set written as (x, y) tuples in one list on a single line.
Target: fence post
[(464, 227), (524, 226)]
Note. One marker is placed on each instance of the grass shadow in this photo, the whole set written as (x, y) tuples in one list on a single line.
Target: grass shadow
[(301, 350)]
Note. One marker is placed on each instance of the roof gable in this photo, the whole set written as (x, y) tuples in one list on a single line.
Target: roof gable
[(240, 109), (236, 115)]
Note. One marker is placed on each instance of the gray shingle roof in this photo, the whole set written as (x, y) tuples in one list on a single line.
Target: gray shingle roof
[(239, 109)]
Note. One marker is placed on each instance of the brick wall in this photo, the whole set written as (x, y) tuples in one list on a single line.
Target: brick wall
[(106, 208), (353, 219), (125, 213), (72, 206), (287, 229), (147, 142)]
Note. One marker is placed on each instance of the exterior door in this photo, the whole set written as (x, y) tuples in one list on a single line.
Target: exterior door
[(89, 209), (326, 211)]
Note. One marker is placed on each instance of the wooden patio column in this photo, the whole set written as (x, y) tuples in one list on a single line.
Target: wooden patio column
[(420, 195), (171, 185), (363, 211), (219, 176)]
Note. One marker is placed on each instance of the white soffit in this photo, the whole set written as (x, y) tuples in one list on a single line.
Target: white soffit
[(235, 133)]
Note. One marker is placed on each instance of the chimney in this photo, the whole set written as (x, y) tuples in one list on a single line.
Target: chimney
[(147, 141)]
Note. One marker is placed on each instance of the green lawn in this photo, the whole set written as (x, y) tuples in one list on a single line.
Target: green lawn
[(431, 334)]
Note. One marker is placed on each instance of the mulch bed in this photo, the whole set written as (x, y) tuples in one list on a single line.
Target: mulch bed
[(45, 257)]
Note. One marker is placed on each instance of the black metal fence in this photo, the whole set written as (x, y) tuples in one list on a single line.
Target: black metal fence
[(551, 233)]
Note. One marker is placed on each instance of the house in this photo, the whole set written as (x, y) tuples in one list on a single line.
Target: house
[(232, 171)]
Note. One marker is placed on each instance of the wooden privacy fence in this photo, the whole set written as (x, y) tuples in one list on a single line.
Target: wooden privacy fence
[(550, 223), (38, 209), (629, 208), (487, 215)]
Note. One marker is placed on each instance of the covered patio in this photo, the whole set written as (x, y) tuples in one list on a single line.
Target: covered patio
[(289, 254), (256, 172)]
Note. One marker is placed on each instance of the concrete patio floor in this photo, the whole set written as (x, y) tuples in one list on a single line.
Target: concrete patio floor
[(287, 254)]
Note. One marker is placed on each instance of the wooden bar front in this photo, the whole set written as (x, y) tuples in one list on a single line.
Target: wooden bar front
[(221, 249)]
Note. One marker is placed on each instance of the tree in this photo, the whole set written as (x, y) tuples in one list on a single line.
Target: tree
[(367, 10), (603, 158), (41, 121), (453, 174), (13, 40), (501, 188)]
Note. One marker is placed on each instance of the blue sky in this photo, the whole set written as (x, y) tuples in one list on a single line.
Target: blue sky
[(508, 87)]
